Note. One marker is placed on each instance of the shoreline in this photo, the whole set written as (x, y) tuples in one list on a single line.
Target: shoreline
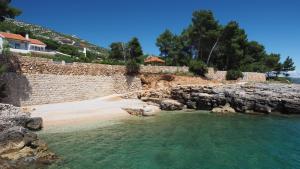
[(62, 117)]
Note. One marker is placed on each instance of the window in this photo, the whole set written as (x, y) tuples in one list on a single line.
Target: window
[(17, 46)]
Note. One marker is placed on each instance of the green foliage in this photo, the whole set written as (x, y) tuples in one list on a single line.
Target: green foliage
[(203, 32), (288, 65), (112, 62), (7, 11), (198, 67), (234, 74), (70, 50), (5, 48), (117, 51), (279, 80), (223, 47), (174, 49), (51, 44), (132, 67), (165, 43), (135, 51)]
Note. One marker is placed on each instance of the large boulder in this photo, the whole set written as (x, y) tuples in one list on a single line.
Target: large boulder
[(35, 123), (223, 110), (19, 146), (15, 139), (171, 105), (148, 110)]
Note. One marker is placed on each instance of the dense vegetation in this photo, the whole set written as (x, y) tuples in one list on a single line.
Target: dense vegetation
[(204, 43), (224, 47), (7, 11)]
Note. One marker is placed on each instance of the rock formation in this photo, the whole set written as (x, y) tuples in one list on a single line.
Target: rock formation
[(243, 98), (19, 146)]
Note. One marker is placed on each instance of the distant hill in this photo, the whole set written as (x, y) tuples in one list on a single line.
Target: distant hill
[(45, 33), (295, 80)]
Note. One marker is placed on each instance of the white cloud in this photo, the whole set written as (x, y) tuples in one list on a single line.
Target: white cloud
[(294, 74)]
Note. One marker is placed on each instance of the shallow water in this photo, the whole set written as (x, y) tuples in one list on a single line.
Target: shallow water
[(183, 141)]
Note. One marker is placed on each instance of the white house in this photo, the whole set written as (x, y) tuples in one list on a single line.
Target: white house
[(19, 44)]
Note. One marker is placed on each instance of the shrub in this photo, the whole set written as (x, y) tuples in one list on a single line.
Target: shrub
[(234, 74), (167, 77), (198, 67), (132, 67)]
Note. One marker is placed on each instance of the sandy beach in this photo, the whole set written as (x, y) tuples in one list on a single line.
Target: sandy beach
[(100, 111)]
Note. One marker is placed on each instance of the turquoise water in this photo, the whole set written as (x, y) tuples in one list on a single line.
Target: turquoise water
[(183, 141)]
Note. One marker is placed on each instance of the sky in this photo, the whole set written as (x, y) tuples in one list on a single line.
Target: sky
[(274, 23)]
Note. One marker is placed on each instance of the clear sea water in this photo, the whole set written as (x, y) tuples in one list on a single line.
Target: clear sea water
[(183, 140)]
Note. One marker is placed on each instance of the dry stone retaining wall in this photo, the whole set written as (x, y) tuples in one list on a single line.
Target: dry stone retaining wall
[(34, 89), (248, 76), (34, 65)]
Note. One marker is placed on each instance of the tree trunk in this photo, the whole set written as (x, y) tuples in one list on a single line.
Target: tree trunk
[(211, 51)]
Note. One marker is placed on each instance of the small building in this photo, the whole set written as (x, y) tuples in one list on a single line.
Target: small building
[(19, 44), (154, 60)]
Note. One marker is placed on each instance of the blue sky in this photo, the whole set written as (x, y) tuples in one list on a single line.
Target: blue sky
[(274, 23)]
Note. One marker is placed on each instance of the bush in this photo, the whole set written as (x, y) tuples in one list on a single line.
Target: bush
[(198, 67), (132, 67), (234, 74), (167, 77)]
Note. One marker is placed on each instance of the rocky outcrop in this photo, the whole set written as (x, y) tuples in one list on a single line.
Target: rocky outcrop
[(171, 105), (19, 146), (149, 110), (223, 110), (246, 98)]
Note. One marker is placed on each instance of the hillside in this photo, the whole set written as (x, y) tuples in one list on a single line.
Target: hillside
[(40, 32)]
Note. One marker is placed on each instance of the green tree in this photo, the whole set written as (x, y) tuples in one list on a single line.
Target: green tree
[(175, 49), (288, 65), (233, 43), (204, 32), (7, 11), (165, 43), (117, 51), (135, 51), (51, 44), (272, 62), (70, 50)]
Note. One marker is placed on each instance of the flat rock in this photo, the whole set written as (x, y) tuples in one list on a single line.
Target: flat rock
[(171, 105)]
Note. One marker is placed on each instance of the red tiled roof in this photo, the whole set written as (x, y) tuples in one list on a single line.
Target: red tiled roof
[(37, 42), (12, 36), (152, 59), (20, 37)]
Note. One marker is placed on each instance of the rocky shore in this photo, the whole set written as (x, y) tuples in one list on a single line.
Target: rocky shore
[(243, 98), (19, 145)]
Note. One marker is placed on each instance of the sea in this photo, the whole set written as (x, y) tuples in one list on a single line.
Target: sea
[(295, 80), (182, 140)]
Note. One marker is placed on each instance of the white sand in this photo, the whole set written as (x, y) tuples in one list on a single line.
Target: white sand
[(84, 113)]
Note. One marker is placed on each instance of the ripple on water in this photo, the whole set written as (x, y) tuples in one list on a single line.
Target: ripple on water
[(183, 140)]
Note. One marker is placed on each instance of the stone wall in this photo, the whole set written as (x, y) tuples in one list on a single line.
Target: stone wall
[(33, 89), (248, 76), (34, 65)]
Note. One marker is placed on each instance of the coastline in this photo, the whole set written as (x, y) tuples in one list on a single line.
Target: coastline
[(63, 117)]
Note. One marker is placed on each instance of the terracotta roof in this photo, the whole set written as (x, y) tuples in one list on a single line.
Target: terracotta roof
[(12, 36), (37, 42), (153, 59)]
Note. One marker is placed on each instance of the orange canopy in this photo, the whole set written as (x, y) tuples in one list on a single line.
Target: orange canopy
[(153, 59)]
